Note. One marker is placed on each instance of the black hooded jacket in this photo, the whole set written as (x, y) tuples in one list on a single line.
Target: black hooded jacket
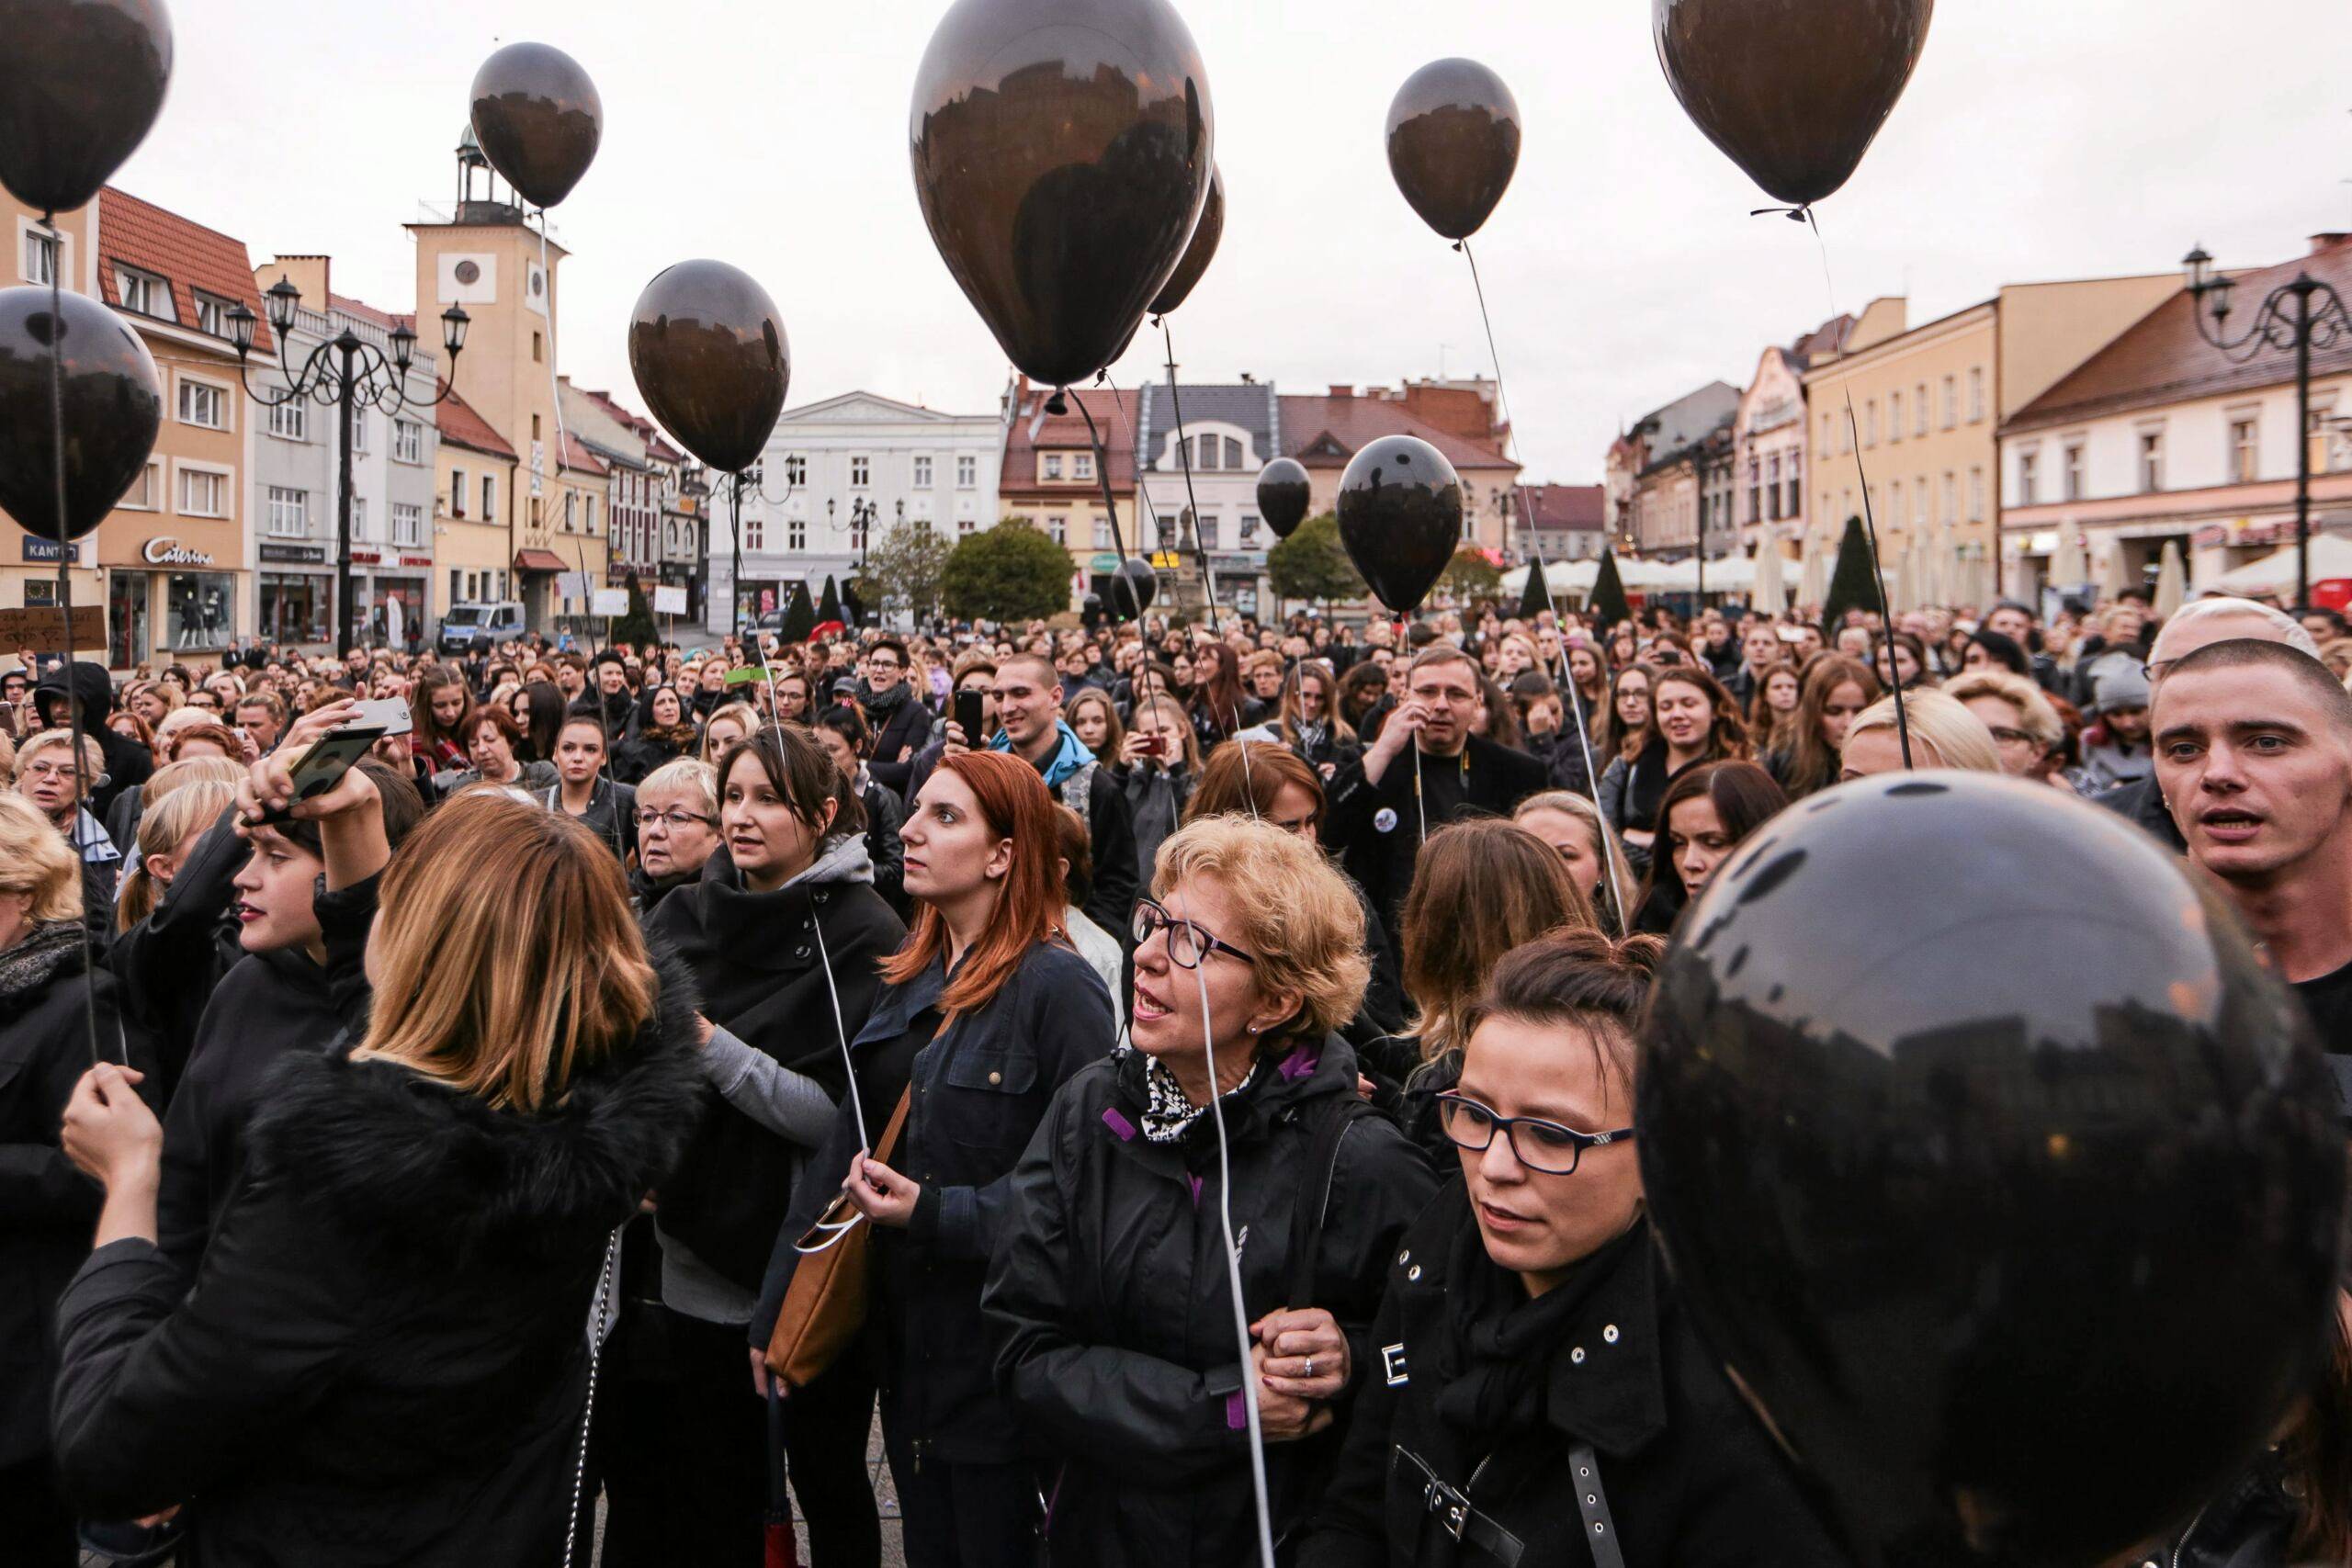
[(383, 1359), (128, 762), (1111, 1315)]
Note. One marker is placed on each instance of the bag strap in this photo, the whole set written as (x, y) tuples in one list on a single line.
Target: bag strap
[(1600, 1530), (596, 1330), (898, 1124), (1315, 1198)]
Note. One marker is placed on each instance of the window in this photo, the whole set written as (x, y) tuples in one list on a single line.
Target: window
[(2246, 451), (2070, 471), (143, 293), (1248, 532), (1920, 409), (1894, 416), (1795, 502), (755, 532), (1167, 530), (587, 513), (457, 493), (408, 441), (358, 516), (1053, 465), (39, 263), (796, 471), (1951, 497), (1977, 394), (290, 512), (1208, 530), (1057, 527), (291, 421), (1081, 465), (2028, 477), (203, 494), (358, 429), (1232, 453), (2152, 459), (1870, 423), (796, 533), (535, 427), (861, 472), (1919, 501), (1952, 401), (922, 470), (203, 404), (141, 495), (1977, 492), (1102, 532), (967, 472), (535, 348), (488, 498), (1828, 437), (570, 510), (963, 524), (535, 512), (212, 314), (1894, 510), (408, 524)]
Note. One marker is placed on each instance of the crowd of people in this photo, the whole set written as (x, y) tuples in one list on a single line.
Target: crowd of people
[(457, 1136)]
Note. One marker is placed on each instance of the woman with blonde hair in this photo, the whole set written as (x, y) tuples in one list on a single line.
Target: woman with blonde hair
[(383, 1343), (728, 724), (2025, 727), (1311, 722), (168, 829), (1157, 764), (1944, 734), (1592, 851), (1115, 1341)]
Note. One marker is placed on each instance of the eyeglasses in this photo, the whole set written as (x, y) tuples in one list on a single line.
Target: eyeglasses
[(1550, 1148), (673, 820), (2003, 735), (1187, 941)]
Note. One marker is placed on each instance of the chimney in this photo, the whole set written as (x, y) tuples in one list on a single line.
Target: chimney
[(2331, 240), (1340, 391)]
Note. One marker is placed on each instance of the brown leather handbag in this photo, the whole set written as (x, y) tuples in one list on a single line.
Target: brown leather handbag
[(824, 1307)]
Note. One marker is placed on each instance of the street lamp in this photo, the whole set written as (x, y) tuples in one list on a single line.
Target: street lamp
[(2300, 314), (363, 377), (752, 481)]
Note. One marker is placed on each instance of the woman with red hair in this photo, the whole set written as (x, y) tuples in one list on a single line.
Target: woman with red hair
[(986, 1011)]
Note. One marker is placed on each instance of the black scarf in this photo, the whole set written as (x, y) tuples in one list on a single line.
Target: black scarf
[(879, 706), (49, 949), (1496, 1375)]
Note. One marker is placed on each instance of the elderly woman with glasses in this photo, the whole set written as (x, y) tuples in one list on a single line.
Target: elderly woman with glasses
[(1540, 1392), (1117, 1335)]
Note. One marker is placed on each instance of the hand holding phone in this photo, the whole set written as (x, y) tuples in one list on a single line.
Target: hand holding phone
[(307, 775), (970, 707)]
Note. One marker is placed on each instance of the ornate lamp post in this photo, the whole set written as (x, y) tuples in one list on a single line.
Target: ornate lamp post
[(2300, 315), (346, 373)]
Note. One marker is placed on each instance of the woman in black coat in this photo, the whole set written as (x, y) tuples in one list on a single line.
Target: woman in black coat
[(1539, 1384), (1109, 1301), (47, 1204), (382, 1359)]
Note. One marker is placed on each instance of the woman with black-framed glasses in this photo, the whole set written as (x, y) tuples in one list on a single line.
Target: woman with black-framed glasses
[(1532, 1352)]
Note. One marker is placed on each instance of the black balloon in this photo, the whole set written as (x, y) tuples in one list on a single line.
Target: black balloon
[(538, 119), (85, 80), (711, 359), (1198, 252), (1132, 587), (1993, 1164), (1062, 153), (113, 408), (1282, 496), (1794, 90), (1400, 517), (1452, 144)]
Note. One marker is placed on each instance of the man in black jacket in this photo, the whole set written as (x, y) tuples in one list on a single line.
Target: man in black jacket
[(901, 724), (128, 762), (1385, 804), (1029, 705)]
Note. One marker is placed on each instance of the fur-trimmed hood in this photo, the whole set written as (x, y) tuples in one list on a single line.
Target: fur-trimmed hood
[(389, 1155)]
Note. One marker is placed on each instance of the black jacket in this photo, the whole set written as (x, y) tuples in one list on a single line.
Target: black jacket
[(1378, 826), (1156, 798), (900, 731), (46, 1206), (2250, 1524), (128, 762), (638, 755), (757, 962), (383, 1357), (169, 963), (1689, 1476), (1109, 1306), (884, 813), (2143, 802), (611, 814)]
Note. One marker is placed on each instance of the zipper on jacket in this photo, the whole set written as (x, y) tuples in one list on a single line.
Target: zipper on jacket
[(2186, 1536)]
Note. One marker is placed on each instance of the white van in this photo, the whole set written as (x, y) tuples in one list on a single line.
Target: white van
[(478, 628)]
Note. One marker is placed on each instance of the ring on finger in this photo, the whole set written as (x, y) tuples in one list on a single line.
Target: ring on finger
[(1309, 1370)]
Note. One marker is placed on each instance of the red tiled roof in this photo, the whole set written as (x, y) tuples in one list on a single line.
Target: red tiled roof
[(363, 312), (1325, 432), (189, 256), (2162, 358), (1033, 428), (577, 458), (460, 426), (1566, 507)]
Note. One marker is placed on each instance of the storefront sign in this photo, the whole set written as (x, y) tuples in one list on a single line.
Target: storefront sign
[(416, 560), (368, 558), (315, 555), (40, 549), (164, 550)]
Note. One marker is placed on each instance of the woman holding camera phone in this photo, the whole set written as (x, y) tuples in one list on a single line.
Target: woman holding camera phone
[(1159, 760)]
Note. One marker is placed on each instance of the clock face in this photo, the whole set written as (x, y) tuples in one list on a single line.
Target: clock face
[(468, 271), (469, 278)]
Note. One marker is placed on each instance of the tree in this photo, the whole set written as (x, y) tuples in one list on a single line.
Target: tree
[(1010, 573), (1470, 576), (800, 618), (1313, 565), (905, 569), (1607, 602), (636, 627), (1853, 585)]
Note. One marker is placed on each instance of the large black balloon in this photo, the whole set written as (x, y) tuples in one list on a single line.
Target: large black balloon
[(1062, 153), (1198, 252), (1282, 496), (84, 82), (711, 359), (1793, 90), (1452, 144), (1993, 1164), (538, 119), (1400, 517), (1132, 588), (113, 408)]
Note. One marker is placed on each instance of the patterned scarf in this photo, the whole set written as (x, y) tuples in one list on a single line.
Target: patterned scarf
[(1171, 1109), (47, 950)]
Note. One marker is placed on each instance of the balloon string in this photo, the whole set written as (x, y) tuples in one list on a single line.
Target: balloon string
[(1543, 574), (1794, 214), (1191, 503), (563, 443), (1110, 503), (76, 720)]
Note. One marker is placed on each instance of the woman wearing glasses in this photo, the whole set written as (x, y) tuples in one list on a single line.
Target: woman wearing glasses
[(786, 931), (986, 1011), (1533, 1355), (677, 830), (1109, 1301)]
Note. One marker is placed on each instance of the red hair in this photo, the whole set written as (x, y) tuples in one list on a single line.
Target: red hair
[(1030, 905)]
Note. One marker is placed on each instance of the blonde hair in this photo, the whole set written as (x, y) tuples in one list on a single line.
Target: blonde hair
[(1958, 736), (190, 769), (691, 774), (1607, 846), (94, 760), (1177, 720), (742, 713), (35, 860), (2035, 715), (508, 955), (190, 806), (1297, 914)]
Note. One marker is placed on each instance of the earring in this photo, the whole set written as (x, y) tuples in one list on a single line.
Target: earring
[(1253, 1029)]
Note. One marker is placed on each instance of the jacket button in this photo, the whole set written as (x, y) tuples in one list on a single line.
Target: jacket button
[(1577, 1355), (801, 952), (1405, 1257), (1610, 1334), (996, 1078), (1414, 1272)]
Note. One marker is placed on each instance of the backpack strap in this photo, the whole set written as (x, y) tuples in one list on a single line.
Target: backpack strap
[(1314, 1201)]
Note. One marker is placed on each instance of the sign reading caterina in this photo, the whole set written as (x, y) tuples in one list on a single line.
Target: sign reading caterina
[(164, 550)]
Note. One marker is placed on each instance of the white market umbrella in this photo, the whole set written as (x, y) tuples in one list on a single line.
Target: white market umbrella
[(2113, 577), (2171, 581), (1949, 574), (1812, 581), (1768, 595), (2067, 568), (2275, 573), (1902, 587)]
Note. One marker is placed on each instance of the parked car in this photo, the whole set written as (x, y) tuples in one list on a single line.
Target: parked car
[(477, 629)]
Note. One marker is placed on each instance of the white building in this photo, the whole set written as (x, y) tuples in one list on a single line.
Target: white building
[(837, 477), (1232, 431)]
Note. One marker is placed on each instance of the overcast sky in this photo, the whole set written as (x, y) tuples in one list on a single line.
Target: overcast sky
[(2037, 141)]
